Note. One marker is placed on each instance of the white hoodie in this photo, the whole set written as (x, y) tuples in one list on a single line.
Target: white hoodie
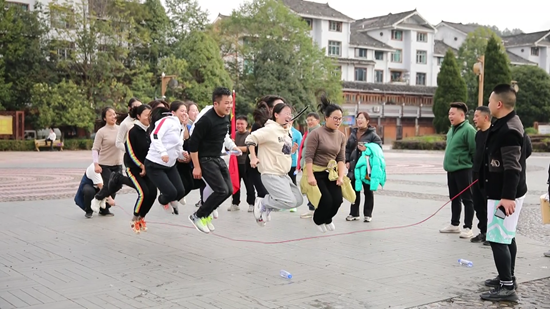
[(275, 147), (166, 140)]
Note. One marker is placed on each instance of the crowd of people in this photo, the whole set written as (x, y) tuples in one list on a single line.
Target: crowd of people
[(168, 150)]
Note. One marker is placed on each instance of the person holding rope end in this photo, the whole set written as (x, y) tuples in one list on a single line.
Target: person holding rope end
[(502, 176)]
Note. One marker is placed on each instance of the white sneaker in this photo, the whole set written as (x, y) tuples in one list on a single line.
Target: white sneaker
[(258, 211), (322, 228), (250, 208), (183, 201), (233, 208), (267, 214), (368, 219), (307, 215), (175, 209), (450, 229), (200, 224), (467, 233), (331, 227), (95, 205), (210, 225), (215, 214)]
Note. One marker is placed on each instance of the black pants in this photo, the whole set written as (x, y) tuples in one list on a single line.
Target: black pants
[(216, 175), (331, 199), (88, 193), (167, 180), (368, 205), (250, 194), (292, 175), (480, 207), (186, 175), (51, 143), (505, 259), (146, 190), (257, 181), (458, 181), (106, 171)]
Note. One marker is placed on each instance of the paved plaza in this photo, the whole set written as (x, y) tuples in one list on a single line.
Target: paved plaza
[(52, 257)]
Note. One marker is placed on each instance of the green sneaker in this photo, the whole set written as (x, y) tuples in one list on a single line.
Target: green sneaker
[(199, 223), (293, 210)]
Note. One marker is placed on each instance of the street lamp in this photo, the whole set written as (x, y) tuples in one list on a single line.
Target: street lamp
[(479, 71), (515, 86), (167, 80)]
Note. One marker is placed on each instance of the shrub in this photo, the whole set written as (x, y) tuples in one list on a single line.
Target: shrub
[(19, 145), (531, 130), (419, 145), (78, 144)]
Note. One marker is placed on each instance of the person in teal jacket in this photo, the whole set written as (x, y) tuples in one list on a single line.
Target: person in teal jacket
[(377, 165), (370, 170), (458, 162)]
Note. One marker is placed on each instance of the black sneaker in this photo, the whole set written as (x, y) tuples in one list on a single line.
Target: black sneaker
[(495, 282), (479, 238), (89, 215), (486, 243), (198, 204), (500, 293), (106, 213)]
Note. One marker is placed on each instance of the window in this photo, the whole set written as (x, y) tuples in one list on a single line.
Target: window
[(61, 18), (421, 56), (396, 76), (248, 66), (421, 79), (335, 26), (361, 53), (23, 6), (65, 49), (534, 51), (378, 55), (360, 74), (378, 76), (440, 61), (396, 56), (397, 35), (334, 48), (309, 22), (338, 72), (421, 37)]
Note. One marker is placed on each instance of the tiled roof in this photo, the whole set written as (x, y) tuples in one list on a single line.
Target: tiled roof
[(515, 59), (524, 39), (363, 39), (461, 27), (389, 88), (440, 48), (314, 9), (381, 21)]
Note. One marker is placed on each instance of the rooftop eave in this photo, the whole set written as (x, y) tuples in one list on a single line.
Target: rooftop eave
[(323, 17), (372, 47), (412, 14), (388, 92), (523, 63), (542, 38), (445, 24)]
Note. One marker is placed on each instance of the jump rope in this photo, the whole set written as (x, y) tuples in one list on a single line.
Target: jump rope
[(312, 237)]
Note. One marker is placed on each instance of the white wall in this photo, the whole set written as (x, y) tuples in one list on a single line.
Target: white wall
[(448, 35)]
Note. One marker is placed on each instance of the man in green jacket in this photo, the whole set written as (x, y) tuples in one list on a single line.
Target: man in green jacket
[(458, 161)]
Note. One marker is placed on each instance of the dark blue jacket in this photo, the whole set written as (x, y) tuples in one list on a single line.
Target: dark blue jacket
[(79, 197)]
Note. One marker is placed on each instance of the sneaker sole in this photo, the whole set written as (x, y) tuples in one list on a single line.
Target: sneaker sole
[(353, 219), (466, 237), (512, 298), (193, 222), (449, 232)]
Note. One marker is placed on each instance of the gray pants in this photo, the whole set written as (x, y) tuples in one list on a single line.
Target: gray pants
[(282, 193)]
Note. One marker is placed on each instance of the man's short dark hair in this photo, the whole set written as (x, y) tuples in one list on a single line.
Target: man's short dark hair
[(219, 93), (242, 117), (484, 109), (314, 115), (461, 106), (506, 95)]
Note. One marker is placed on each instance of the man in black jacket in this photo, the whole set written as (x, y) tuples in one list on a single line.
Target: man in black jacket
[(502, 176), (482, 121)]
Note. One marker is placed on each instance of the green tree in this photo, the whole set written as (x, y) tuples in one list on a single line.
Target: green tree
[(533, 98), (450, 88), (157, 26), (63, 104), (497, 67), (272, 53), (23, 51), (468, 54), (205, 70), (4, 88), (186, 16), (174, 66)]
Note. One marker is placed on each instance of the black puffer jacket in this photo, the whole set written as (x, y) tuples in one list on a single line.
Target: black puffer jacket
[(352, 153)]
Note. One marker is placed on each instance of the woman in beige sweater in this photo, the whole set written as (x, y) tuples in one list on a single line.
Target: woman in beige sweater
[(107, 158)]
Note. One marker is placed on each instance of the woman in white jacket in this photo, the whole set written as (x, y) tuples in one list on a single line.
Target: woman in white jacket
[(166, 147), (274, 162)]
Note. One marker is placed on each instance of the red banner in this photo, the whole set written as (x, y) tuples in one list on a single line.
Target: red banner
[(233, 163)]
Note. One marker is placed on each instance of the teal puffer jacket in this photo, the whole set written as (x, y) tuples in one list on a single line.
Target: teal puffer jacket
[(378, 168)]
